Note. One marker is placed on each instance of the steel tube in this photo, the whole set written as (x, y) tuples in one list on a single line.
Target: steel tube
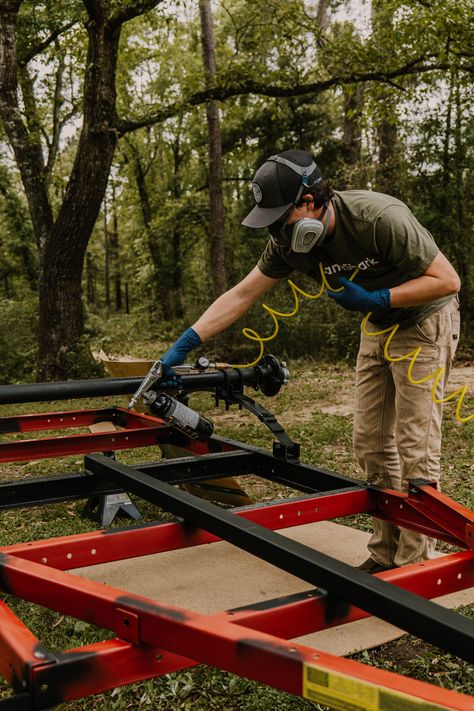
[(69, 389)]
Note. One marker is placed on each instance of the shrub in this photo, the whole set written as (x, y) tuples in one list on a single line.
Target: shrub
[(18, 341)]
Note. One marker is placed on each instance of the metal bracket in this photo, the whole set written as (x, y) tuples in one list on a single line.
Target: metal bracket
[(127, 625), (285, 448), (415, 484)]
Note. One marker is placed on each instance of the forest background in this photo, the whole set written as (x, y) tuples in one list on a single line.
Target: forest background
[(130, 132)]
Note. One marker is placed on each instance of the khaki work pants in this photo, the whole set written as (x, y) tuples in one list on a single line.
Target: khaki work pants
[(397, 426)]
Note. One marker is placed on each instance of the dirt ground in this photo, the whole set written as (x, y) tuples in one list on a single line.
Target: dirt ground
[(342, 398), (463, 375)]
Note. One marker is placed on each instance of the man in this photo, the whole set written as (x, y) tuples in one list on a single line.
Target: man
[(401, 277)]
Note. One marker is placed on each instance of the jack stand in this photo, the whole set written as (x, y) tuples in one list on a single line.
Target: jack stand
[(105, 508)]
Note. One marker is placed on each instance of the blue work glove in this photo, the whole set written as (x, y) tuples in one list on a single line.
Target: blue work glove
[(356, 298), (177, 353)]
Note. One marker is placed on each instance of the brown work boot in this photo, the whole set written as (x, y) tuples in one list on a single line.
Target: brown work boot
[(371, 566)]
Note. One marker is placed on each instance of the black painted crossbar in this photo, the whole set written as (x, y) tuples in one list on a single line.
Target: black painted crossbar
[(296, 475), (421, 617), (42, 491)]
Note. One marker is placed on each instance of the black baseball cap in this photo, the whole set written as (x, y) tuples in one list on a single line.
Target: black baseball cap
[(279, 183)]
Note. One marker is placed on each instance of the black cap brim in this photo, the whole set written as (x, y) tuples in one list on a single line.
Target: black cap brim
[(264, 216)]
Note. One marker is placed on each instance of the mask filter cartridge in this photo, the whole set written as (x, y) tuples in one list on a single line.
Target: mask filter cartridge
[(306, 234)]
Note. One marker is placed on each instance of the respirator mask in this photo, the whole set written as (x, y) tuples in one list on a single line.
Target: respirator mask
[(304, 234)]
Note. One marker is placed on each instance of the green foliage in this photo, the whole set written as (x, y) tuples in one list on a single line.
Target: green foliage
[(441, 191), (319, 329), (18, 339), (77, 362), (275, 44)]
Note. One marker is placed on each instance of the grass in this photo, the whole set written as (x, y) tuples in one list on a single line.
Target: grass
[(315, 408)]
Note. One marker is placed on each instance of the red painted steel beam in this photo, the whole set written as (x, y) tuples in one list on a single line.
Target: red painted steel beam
[(28, 449), (270, 659), (135, 430), (68, 552), (76, 418), (91, 548), (311, 612), (20, 650), (284, 618), (429, 511), (429, 579), (200, 638), (99, 667), (48, 421), (105, 665)]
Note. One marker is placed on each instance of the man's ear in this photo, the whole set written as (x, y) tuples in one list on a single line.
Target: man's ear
[(308, 199)]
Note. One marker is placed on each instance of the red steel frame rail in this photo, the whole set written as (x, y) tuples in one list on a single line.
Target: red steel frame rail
[(135, 430), (154, 638)]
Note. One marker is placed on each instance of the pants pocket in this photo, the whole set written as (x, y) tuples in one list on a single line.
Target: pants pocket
[(429, 329)]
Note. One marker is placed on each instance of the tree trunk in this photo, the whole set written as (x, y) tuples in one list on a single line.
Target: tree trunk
[(388, 168), (322, 14), (61, 351), (177, 266), (127, 299), (106, 256), (161, 276), (90, 280), (387, 175), (218, 268), (464, 245), (115, 252), (448, 134), (352, 127), (62, 242), (28, 153)]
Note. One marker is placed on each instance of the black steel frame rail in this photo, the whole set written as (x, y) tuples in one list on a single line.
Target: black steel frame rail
[(421, 617), (41, 491), (38, 491), (295, 475)]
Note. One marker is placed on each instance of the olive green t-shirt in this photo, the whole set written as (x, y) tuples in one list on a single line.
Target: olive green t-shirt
[(374, 233)]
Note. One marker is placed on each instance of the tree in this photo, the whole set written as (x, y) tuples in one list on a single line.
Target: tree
[(387, 174), (441, 185), (63, 239), (218, 268), (140, 170)]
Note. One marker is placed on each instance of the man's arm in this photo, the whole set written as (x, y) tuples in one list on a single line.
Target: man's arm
[(228, 307), (224, 311), (440, 279)]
